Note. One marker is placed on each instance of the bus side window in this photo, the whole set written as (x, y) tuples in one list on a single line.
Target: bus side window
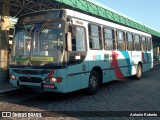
[(95, 41), (79, 47), (130, 41), (149, 44), (78, 39), (108, 38), (137, 43), (120, 40), (144, 45)]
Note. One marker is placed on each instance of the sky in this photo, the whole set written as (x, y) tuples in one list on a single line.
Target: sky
[(144, 11)]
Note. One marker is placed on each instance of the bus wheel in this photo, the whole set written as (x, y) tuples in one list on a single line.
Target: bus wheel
[(93, 83), (139, 72)]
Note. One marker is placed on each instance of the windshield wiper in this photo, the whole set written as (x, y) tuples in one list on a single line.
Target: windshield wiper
[(29, 36)]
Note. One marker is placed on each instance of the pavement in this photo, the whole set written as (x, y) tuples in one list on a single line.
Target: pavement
[(5, 86)]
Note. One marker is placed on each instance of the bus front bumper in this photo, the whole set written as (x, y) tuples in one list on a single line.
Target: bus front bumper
[(44, 86)]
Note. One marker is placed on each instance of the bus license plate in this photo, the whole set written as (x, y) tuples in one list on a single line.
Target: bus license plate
[(48, 86)]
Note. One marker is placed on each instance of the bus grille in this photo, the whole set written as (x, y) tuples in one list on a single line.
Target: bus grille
[(30, 79), (31, 72)]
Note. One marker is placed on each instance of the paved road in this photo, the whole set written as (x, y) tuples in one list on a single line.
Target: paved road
[(127, 95)]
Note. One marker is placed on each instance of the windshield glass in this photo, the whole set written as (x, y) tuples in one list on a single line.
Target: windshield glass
[(39, 44)]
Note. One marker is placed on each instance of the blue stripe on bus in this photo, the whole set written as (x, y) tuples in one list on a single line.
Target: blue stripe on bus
[(127, 58)]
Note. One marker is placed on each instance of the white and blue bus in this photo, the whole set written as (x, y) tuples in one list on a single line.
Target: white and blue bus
[(62, 50)]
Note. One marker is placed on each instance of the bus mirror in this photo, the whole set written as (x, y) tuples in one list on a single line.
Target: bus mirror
[(69, 42)]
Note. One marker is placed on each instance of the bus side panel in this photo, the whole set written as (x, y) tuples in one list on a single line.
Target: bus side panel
[(102, 60), (124, 63), (78, 76), (84, 80), (121, 64), (61, 86), (74, 82), (108, 75), (147, 61), (136, 58)]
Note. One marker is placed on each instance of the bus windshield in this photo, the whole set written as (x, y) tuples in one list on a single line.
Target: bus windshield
[(38, 44)]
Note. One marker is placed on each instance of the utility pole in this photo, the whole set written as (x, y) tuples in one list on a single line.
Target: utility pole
[(4, 40)]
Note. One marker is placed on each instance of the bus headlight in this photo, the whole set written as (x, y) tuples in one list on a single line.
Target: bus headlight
[(12, 77), (58, 79)]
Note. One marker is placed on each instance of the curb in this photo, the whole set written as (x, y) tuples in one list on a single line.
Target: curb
[(8, 91)]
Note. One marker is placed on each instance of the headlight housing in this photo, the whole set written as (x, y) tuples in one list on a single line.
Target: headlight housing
[(13, 77), (54, 79)]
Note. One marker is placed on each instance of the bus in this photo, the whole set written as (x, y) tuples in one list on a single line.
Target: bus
[(63, 50)]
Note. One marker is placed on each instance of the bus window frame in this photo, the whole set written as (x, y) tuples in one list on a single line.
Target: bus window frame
[(132, 35), (143, 44), (113, 35), (139, 36), (77, 52), (99, 37), (123, 41), (149, 41)]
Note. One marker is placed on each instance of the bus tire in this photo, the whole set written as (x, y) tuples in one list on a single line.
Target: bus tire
[(139, 72), (93, 84)]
